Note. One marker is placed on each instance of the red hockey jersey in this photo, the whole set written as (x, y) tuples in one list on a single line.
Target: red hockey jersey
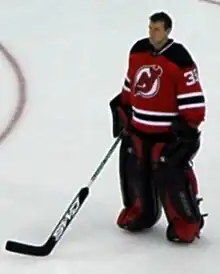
[(161, 85)]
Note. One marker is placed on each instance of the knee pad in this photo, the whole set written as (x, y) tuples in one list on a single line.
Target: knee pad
[(137, 186)]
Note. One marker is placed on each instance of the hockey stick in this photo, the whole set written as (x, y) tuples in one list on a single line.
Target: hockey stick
[(64, 222), (211, 2)]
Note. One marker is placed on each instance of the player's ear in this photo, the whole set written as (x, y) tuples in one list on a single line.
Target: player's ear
[(168, 31)]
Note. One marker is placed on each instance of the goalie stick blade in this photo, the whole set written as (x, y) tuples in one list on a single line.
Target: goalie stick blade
[(57, 233), (31, 250), (65, 220)]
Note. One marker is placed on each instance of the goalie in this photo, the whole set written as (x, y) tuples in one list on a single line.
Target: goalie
[(160, 109)]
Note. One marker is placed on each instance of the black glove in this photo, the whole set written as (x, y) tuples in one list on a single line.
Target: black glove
[(184, 145), (121, 115), (181, 129)]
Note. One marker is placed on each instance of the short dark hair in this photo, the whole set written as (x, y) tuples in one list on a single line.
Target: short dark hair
[(162, 17)]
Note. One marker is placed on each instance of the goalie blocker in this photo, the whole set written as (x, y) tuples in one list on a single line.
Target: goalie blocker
[(155, 173)]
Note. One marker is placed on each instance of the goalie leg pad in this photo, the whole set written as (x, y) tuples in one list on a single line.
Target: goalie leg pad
[(179, 201), (140, 198), (127, 163)]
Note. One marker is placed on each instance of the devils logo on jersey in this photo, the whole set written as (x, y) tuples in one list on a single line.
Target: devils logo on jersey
[(147, 81)]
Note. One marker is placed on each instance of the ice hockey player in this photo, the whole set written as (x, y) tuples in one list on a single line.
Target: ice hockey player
[(160, 109)]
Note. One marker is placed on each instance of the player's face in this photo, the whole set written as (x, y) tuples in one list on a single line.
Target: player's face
[(157, 33)]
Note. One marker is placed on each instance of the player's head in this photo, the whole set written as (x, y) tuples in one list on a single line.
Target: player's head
[(159, 28)]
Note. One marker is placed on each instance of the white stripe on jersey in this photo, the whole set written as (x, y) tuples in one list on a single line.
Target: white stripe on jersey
[(126, 88), (151, 123), (188, 95), (198, 105), (127, 79), (156, 113)]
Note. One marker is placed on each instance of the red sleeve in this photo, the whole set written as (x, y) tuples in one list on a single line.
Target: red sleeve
[(190, 97), (126, 88)]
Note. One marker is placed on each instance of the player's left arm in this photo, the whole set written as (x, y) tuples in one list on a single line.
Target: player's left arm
[(190, 96)]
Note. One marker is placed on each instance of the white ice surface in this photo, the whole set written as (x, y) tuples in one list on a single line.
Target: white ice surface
[(74, 57)]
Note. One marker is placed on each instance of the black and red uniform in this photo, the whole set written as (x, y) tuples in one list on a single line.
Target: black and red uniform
[(159, 108), (161, 85)]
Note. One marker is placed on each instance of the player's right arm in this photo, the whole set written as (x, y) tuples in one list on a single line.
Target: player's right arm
[(190, 96), (120, 104), (126, 88)]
